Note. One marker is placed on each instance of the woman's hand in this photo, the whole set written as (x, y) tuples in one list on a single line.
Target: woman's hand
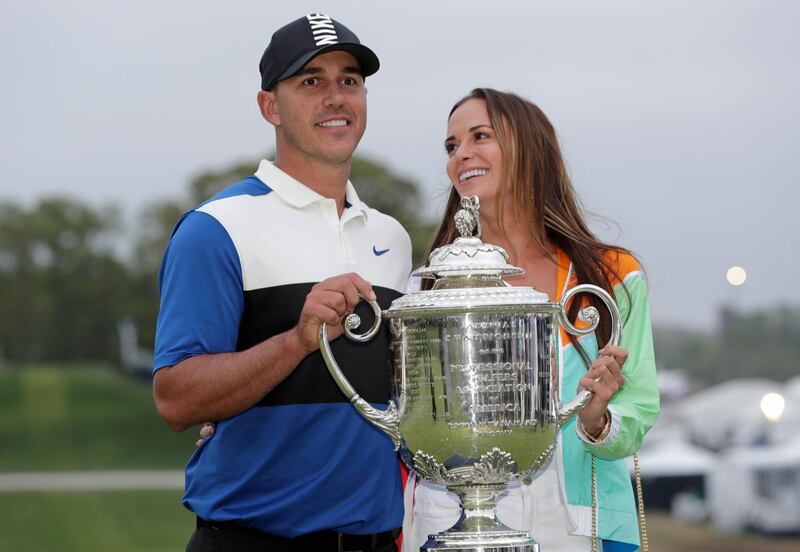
[(206, 431), (604, 379)]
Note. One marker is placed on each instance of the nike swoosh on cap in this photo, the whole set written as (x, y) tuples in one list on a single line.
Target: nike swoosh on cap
[(379, 252)]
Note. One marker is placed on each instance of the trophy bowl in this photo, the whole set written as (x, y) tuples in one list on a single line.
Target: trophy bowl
[(476, 401)]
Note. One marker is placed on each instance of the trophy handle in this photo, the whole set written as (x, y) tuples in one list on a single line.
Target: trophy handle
[(387, 420), (590, 315)]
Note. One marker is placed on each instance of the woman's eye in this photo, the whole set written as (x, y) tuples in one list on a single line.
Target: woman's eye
[(449, 148), (481, 135)]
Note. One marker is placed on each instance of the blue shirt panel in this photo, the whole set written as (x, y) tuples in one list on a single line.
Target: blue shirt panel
[(321, 484), (251, 185), (617, 546), (201, 286)]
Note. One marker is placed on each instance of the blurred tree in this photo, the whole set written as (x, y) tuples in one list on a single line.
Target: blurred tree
[(762, 343), (684, 349), (60, 281), (207, 183), (748, 344), (153, 230)]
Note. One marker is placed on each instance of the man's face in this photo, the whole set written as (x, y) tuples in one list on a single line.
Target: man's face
[(322, 110)]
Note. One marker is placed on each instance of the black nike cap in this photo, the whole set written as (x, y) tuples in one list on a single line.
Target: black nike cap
[(297, 43)]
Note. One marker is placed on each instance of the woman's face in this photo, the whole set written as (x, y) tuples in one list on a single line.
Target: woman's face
[(474, 158)]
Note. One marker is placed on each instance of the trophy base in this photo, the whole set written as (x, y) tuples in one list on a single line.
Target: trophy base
[(491, 541), (478, 529)]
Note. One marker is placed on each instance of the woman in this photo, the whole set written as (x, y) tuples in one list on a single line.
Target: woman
[(503, 149)]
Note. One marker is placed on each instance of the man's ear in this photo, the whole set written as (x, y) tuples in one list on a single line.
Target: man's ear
[(268, 104)]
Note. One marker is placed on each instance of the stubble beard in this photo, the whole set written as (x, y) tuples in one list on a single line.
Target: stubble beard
[(314, 150)]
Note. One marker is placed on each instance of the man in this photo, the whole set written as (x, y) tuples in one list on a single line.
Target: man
[(245, 286)]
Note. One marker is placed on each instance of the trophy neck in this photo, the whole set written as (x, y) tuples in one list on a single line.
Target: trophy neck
[(470, 281), (479, 529)]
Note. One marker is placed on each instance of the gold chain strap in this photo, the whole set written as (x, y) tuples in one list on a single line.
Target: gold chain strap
[(639, 499), (594, 505)]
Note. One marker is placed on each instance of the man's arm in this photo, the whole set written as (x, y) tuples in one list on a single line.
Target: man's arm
[(218, 386)]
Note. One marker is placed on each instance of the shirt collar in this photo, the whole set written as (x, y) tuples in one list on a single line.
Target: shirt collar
[(295, 193)]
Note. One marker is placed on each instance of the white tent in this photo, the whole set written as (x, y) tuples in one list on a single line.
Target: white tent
[(785, 455), (786, 428), (671, 458), (728, 414), (757, 487), (674, 473)]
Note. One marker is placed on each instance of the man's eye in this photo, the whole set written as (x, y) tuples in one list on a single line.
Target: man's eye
[(310, 81), (349, 81)]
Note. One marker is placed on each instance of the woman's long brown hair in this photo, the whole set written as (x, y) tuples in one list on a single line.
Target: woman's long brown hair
[(542, 195)]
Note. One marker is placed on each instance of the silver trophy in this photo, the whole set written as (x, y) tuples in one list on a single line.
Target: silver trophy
[(477, 402)]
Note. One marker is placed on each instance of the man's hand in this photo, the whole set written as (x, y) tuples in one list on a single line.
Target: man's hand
[(330, 301), (604, 378), (221, 385)]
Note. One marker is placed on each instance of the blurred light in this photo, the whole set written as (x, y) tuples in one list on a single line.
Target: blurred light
[(772, 406), (736, 275)]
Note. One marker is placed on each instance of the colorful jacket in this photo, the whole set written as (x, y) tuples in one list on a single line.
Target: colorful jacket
[(634, 410)]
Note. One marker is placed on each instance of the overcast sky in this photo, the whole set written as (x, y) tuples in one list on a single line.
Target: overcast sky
[(679, 119)]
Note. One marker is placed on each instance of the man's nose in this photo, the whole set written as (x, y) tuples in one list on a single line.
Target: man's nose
[(334, 96)]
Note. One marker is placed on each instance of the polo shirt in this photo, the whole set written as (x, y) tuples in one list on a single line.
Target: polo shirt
[(236, 271)]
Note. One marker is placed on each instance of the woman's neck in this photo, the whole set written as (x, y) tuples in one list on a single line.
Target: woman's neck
[(537, 260), (514, 238)]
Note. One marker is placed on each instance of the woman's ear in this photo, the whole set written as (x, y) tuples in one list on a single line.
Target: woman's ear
[(268, 104)]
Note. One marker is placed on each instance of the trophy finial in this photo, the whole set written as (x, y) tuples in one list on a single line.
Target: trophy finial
[(467, 255), (468, 218)]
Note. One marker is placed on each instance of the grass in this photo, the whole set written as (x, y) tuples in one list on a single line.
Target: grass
[(65, 418), (83, 418), (94, 522), (669, 535)]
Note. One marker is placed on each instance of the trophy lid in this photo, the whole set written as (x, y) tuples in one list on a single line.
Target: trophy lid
[(468, 272), (467, 255)]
